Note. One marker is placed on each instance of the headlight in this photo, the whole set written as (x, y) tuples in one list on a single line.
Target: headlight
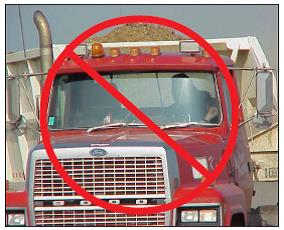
[(208, 215), (199, 216), (195, 173), (189, 216), (16, 219)]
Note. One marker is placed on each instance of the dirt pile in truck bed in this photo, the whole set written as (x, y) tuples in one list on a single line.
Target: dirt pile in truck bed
[(134, 32)]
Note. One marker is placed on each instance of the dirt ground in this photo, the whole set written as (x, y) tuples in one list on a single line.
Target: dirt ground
[(264, 216), (264, 211)]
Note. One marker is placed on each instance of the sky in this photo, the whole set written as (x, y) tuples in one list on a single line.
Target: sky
[(210, 21)]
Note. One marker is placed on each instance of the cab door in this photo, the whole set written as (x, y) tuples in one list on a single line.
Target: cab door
[(241, 158)]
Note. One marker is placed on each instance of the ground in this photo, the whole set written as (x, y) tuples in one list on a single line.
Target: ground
[(264, 212)]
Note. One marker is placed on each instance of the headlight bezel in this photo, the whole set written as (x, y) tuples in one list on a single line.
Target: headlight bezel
[(198, 208)]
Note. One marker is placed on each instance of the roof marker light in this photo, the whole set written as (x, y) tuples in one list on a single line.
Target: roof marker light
[(114, 52), (97, 50), (134, 51), (155, 51), (191, 47)]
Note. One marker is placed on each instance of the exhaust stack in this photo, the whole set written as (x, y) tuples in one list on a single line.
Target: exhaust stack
[(45, 43)]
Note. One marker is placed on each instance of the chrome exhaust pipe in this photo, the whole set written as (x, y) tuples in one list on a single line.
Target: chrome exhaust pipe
[(45, 43)]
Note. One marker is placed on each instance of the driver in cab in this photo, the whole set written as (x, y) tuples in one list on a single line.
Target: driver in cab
[(191, 104)]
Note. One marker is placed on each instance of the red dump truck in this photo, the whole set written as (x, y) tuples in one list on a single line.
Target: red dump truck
[(111, 153)]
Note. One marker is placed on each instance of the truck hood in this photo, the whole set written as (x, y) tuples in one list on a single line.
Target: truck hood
[(192, 139)]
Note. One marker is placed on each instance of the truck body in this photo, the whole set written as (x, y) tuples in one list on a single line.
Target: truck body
[(112, 154)]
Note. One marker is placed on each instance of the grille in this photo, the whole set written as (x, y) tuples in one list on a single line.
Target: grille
[(102, 176), (96, 218)]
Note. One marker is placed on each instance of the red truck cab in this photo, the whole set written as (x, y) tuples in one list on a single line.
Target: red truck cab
[(114, 156)]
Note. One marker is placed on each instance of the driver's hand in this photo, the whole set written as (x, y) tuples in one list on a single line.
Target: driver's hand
[(212, 113)]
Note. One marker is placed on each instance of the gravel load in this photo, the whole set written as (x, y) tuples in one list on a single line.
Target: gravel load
[(141, 32)]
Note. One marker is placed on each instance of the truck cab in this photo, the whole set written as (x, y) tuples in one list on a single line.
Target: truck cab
[(115, 156)]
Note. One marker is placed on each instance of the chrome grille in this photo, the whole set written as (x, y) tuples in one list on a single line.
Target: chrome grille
[(96, 218), (102, 176)]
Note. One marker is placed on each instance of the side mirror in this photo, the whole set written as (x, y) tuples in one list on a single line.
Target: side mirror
[(12, 100), (264, 93), (264, 100)]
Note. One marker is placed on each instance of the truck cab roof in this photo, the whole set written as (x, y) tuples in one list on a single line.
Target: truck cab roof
[(144, 62)]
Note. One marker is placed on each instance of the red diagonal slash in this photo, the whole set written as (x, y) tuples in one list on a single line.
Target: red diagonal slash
[(139, 114)]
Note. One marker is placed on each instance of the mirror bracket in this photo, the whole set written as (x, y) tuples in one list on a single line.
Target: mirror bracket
[(21, 124), (262, 122)]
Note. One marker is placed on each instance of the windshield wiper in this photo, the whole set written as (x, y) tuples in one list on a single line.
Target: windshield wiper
[(184, 125), (113, 125), (123, 124)]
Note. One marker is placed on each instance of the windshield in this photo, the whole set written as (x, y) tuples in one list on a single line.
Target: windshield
[(168, 98)]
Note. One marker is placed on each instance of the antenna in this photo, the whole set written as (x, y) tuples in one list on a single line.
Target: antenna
[(22, 35)]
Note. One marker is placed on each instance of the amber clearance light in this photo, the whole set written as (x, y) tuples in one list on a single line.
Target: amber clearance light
[(97, 50), (114, 52), (155, 51), (134, 51)]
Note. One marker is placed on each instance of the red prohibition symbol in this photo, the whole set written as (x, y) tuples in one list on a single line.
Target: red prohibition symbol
[(210, 177)]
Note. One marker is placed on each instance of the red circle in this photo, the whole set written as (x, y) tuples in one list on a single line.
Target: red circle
[(226, 154)]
